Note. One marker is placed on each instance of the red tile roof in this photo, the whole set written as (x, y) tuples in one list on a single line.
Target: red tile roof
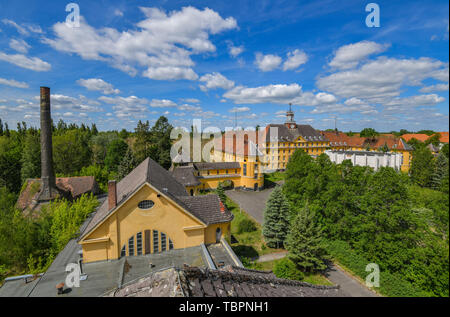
[(418, 136), (443, 137)]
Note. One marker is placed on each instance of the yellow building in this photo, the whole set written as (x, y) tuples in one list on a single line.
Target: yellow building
[(282, 140), (208, 176), (149, 211)]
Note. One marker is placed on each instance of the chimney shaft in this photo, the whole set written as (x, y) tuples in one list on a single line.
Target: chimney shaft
[(112, 195), (47, 174)]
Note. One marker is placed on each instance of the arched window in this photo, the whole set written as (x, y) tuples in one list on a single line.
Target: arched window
[(146, 204), (139, 243), (131, 246), (154, 242)]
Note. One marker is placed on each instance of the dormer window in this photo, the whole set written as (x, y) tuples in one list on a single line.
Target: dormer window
[(146, 204)]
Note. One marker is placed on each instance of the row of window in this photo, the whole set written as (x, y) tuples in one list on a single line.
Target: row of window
[(217, 172), (152, 242)]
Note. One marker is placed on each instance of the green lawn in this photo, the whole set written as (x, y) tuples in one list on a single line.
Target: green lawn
[(270, 179), (249, 244)]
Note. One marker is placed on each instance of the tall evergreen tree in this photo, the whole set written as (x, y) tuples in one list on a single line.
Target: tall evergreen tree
[(127, 164), (305, 243), (276, 219), (221, 192), (441, 167), (422, 166)]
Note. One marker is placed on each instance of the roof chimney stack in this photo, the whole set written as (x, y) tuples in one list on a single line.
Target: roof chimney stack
[(48, 190), (112, 195)]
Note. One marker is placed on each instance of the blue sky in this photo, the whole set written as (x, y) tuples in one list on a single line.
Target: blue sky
[(137, 60)]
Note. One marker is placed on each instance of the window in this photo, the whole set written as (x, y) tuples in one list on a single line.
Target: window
[(170, 244), (163, 242), (146, 204), (131, 246), (155, 241), (123, 252), (139, 243), (245, 169)]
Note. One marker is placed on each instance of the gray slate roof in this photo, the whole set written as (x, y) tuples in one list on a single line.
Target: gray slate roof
[(153, 173), (304, 130), (207, 208), (185, 176), (228, 282)]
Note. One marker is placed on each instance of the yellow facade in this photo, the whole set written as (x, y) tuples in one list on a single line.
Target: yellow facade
[(279, 153), (180, 228)]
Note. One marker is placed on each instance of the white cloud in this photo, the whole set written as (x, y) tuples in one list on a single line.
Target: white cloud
[(295, 59), (162, 103), (23, 61), (19, 45), (267, 62), (97, 84), (117, 12), (348, 56), (13, 83), (414, 101), (170, 73), (161, 45), (432, 88), (19, 28), (381, 79), (186, 107), (280, 93), (239, 109), (234, 51), (24, 29), (214, 81)]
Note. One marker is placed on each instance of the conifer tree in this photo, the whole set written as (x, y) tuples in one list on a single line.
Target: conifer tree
[(305, 244), (221, 193), (441, 167), (276, 219), (127, 164)]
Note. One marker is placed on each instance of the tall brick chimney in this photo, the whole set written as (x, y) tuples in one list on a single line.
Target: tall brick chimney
[(49, 190), (112, 195)]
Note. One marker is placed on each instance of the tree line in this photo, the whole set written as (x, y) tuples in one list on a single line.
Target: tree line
[(396, 220)]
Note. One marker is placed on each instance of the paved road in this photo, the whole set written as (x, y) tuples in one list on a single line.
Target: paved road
[(254, 203)]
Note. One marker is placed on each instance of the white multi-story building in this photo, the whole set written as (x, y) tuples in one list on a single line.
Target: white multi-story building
[(367, 158)]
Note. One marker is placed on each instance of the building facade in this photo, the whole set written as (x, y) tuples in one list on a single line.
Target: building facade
[(367, 158), (149, 211)]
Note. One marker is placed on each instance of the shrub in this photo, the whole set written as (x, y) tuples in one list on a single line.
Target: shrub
[(246, 225), (286, 269)]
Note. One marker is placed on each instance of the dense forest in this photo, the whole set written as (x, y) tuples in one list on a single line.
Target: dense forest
[(396, 220), (29, 245)]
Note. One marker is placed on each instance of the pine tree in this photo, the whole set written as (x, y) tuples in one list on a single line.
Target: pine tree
[(221, 193), (305, 244), (441, 166), (127, 164), (276, 219)]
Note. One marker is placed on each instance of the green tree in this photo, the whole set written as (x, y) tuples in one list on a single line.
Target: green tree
[(368, 133), (71, 152), (31, 157), (161, 142), (115, 153), (444, 150), (99, 146), (422, 166), (10, 161), (305, 243), (127, 164), (221, 193), (143, 138), (276, 219), (440, 170)]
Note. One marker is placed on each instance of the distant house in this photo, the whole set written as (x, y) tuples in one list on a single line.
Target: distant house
[(72, 187)]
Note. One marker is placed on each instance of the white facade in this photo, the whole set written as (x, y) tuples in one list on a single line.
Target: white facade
[(367, 158)]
